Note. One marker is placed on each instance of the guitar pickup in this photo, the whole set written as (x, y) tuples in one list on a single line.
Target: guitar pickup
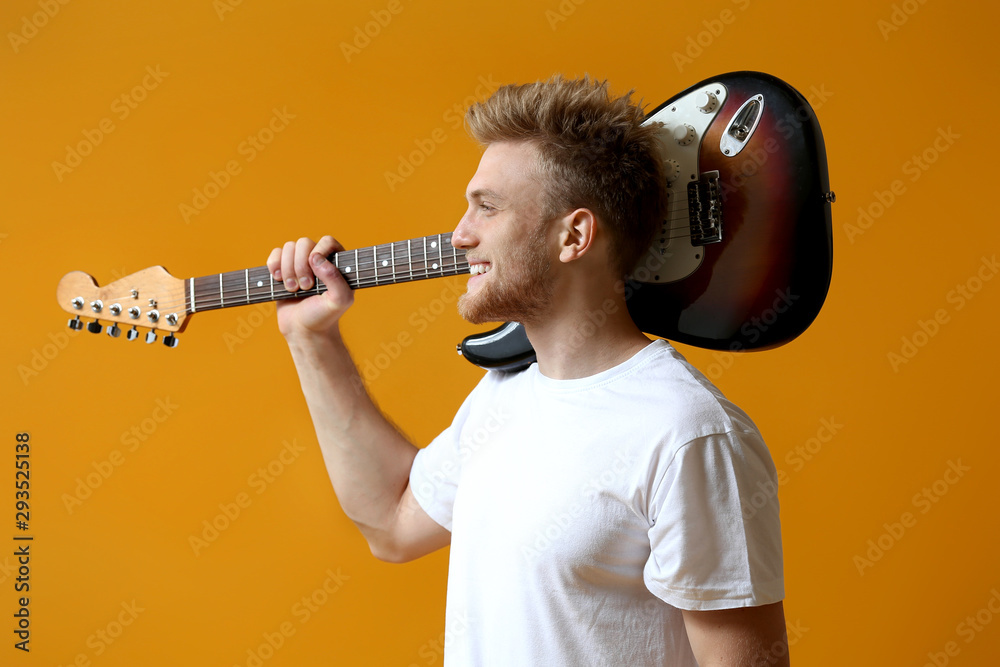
[(705, 209)]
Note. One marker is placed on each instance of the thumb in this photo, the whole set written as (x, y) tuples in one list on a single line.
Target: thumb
[(324, 269)]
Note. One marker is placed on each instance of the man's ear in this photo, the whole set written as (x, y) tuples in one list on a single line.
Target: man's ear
[(577, 234)]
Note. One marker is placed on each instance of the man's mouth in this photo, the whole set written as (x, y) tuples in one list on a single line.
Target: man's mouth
[(478, 269)]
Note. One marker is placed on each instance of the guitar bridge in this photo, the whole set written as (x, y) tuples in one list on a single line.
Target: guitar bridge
[(705, 209)]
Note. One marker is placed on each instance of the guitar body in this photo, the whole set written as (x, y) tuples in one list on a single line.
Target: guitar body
[(761, 277)]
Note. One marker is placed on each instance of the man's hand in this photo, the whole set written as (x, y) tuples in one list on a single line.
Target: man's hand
[(298, 264)]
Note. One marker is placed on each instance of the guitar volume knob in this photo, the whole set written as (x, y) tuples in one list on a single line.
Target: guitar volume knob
[(671, 170), (706, 101), (684, 134)]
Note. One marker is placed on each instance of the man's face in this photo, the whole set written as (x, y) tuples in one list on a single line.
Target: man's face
[(505, 239)]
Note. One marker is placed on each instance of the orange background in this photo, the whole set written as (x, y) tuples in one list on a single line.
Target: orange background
[(857, 438)]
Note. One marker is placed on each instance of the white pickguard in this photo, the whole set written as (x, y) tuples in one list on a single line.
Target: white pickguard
[(672, 256)]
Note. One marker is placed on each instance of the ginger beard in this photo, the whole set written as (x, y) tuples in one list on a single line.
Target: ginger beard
[(517, 288)]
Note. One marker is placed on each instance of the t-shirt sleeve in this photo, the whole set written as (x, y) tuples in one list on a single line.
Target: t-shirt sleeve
[(715, 535), (437, 468)]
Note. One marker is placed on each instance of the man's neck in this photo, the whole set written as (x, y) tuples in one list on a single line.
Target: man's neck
[(584, 334)]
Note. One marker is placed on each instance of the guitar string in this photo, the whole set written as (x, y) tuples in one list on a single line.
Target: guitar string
[(234, 281), (238, 289), (369, 261)]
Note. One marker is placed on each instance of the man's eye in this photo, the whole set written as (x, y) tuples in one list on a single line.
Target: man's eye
[(486, 208)]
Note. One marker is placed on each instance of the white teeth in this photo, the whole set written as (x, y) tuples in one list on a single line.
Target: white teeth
[(477, 269)]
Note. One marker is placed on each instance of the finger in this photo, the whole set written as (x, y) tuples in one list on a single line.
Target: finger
[(274, 264), (288, 266), (320, 262), (328, 245), (304, 272)]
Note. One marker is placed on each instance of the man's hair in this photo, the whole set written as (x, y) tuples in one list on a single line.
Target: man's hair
[(593, 152)]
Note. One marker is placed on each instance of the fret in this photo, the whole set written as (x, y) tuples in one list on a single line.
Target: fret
[(257, 291), (256, 285)]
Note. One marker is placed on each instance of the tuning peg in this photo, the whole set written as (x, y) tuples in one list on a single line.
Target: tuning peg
[(151, 337), (132, 334), (75, 324), (114, 331), (94, 327), (170, 341)]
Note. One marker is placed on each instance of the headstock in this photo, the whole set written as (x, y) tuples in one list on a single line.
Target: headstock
[(151, 298)]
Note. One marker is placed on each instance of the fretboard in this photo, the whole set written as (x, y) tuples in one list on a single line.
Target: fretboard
[(399, 262)]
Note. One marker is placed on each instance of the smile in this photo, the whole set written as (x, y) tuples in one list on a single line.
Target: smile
[(478, 269)]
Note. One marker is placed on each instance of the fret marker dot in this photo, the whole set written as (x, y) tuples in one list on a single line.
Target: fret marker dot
[(434, 244), (260, 283), (385, 263), (434, 265), (347, 270)]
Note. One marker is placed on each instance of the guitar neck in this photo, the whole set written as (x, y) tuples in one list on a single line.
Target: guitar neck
[(390, 263)]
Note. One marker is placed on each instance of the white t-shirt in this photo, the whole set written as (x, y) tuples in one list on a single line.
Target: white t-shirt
[(586, 513)]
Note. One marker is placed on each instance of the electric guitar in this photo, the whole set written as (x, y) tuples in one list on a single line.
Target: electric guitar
[(742, 262)]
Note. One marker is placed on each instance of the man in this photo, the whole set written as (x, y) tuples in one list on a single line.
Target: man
[(594, 503)]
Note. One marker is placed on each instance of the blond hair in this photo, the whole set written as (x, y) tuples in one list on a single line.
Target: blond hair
[(593, 152)]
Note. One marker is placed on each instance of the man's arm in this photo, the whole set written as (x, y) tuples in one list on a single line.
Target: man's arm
[(368, 460), (738, 637)]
